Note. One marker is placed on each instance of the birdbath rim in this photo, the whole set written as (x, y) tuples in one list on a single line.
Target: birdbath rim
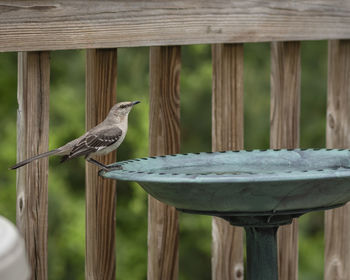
[(148, 169)]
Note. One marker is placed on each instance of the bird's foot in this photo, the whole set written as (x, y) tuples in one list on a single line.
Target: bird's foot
[(109, 168)]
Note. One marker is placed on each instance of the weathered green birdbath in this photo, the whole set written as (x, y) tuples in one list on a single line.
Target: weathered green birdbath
[(259, 190)]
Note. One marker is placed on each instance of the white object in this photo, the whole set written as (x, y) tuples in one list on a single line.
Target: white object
[(13, 259)]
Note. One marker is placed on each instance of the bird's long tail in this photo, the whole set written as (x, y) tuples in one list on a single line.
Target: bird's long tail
[(46, 154)]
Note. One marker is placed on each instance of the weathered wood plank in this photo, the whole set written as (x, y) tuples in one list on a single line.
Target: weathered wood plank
[(337, 222), (227, 134), (33, 139), (285, 116), (78, 24), (164, 137), (101, 79)]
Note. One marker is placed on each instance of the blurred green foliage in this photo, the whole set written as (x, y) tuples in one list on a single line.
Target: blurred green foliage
[(66, 181)]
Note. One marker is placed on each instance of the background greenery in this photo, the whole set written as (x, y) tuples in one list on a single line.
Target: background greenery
[(66, 181)]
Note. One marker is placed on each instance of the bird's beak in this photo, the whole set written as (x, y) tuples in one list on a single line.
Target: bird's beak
[(135, 102)]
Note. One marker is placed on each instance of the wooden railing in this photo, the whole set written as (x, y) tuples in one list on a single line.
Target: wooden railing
[(35, 27)]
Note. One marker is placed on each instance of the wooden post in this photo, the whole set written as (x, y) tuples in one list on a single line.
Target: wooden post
[(164, 137), (33, 139), (337, 222), (101, 79), (227, 134), (284, 119)]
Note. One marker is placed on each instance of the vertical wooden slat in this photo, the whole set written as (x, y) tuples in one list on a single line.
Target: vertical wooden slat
[(32, 139), (227, 134), (164, 137), (284, 118), (337, 222), (101, 79)]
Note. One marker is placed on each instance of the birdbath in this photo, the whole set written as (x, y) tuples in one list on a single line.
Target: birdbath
[(258, 190)]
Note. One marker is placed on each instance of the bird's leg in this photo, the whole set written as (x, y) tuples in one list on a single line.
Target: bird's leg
[(104, 167), (99, 164)]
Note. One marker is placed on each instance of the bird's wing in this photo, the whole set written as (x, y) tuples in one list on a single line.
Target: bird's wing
[(95, 141)]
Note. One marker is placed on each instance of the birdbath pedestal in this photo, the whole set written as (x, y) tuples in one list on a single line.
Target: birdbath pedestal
[(259, 190)]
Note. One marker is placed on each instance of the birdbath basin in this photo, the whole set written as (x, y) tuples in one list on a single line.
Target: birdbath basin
[(259, 190)]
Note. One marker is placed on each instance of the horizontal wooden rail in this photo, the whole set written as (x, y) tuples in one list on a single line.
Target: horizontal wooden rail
[(77, 24)]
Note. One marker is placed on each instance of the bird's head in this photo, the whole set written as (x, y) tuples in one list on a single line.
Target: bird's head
[(122, 109)]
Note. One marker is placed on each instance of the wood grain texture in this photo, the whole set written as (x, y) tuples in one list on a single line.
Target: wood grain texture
[(337, 222), (284, 118), (164, 137), (77, 24), (227, 134), (101, 79), (33, 139)]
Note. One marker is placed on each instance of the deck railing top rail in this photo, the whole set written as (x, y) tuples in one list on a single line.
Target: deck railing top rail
[(76, 24)]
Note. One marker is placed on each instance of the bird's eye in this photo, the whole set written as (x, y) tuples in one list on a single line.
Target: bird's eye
[(123, 106)]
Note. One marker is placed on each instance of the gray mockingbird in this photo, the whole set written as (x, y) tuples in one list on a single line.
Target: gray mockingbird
[(100, 140)]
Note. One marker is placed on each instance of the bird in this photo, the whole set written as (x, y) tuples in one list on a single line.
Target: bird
[(99, 140)]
